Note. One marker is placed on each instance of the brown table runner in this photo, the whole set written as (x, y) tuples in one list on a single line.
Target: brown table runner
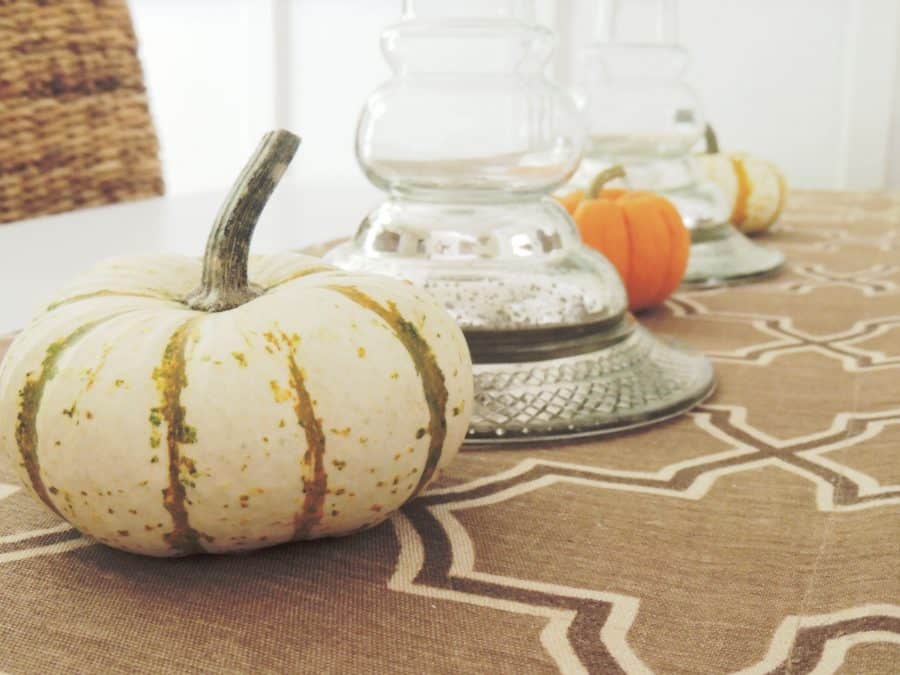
[(760, 532)]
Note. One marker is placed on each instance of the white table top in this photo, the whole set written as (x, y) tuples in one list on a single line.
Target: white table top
[(38, 256)]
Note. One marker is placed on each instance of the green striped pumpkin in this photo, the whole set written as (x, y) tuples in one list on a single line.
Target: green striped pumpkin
[(167, 421)]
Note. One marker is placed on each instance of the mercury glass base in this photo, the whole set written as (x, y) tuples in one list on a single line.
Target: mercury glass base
[(636, 381), (556, 354), (722, 255)]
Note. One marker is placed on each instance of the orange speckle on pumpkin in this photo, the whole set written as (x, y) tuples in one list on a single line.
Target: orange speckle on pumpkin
[(340, 491), (272, 339), (122, 533), (89, 415), (339, 464), (340, 432), (132, 511), (363, 439), (376, 507), (110, 511), (281, 395), (281, 424), (240, 358), (395, 375), (361, 352)]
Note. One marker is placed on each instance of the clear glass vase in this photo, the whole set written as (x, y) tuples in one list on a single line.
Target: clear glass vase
[(640, 114), (468, 139)]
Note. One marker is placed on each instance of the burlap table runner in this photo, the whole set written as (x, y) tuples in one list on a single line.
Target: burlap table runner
[(760, 532)]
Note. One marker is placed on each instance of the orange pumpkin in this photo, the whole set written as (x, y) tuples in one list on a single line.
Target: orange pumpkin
[(641, 233)]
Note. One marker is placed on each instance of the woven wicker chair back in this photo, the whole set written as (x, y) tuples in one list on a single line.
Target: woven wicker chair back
[(75, 128)]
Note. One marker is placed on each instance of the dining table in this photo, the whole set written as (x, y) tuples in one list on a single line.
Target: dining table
[(758, 533)]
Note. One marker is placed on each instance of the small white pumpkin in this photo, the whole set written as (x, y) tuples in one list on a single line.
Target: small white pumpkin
[(166, 421), (756, 188)]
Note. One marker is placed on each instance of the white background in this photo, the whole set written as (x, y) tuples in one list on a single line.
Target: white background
[(810, 84)]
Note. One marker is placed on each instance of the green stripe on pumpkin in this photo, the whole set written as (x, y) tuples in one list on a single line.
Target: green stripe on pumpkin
[(149, 294), (31, 395), (427, 367), (171, 379), (315, 485), (309, 271)]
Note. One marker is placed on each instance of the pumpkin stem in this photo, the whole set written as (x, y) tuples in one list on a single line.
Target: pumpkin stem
[(712, 141), (224, 284), (603, 178)]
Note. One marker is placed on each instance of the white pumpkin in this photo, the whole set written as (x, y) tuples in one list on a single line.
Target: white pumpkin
[(311, 403), (756, 188)]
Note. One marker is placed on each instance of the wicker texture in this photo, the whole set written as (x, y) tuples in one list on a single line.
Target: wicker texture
[(76, 128)]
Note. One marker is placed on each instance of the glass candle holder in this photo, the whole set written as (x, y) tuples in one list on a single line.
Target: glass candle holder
[(467, 140), (640, 114)]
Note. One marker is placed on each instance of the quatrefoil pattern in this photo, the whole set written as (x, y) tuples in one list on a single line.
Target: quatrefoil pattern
[(758, 534)]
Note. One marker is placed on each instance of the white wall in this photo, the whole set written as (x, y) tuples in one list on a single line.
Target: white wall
[(811, 84)]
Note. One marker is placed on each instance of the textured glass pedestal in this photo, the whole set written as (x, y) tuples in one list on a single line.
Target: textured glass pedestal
[(556, 353), (643, 116), (722, 255), (634, 381), (467, 140)]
